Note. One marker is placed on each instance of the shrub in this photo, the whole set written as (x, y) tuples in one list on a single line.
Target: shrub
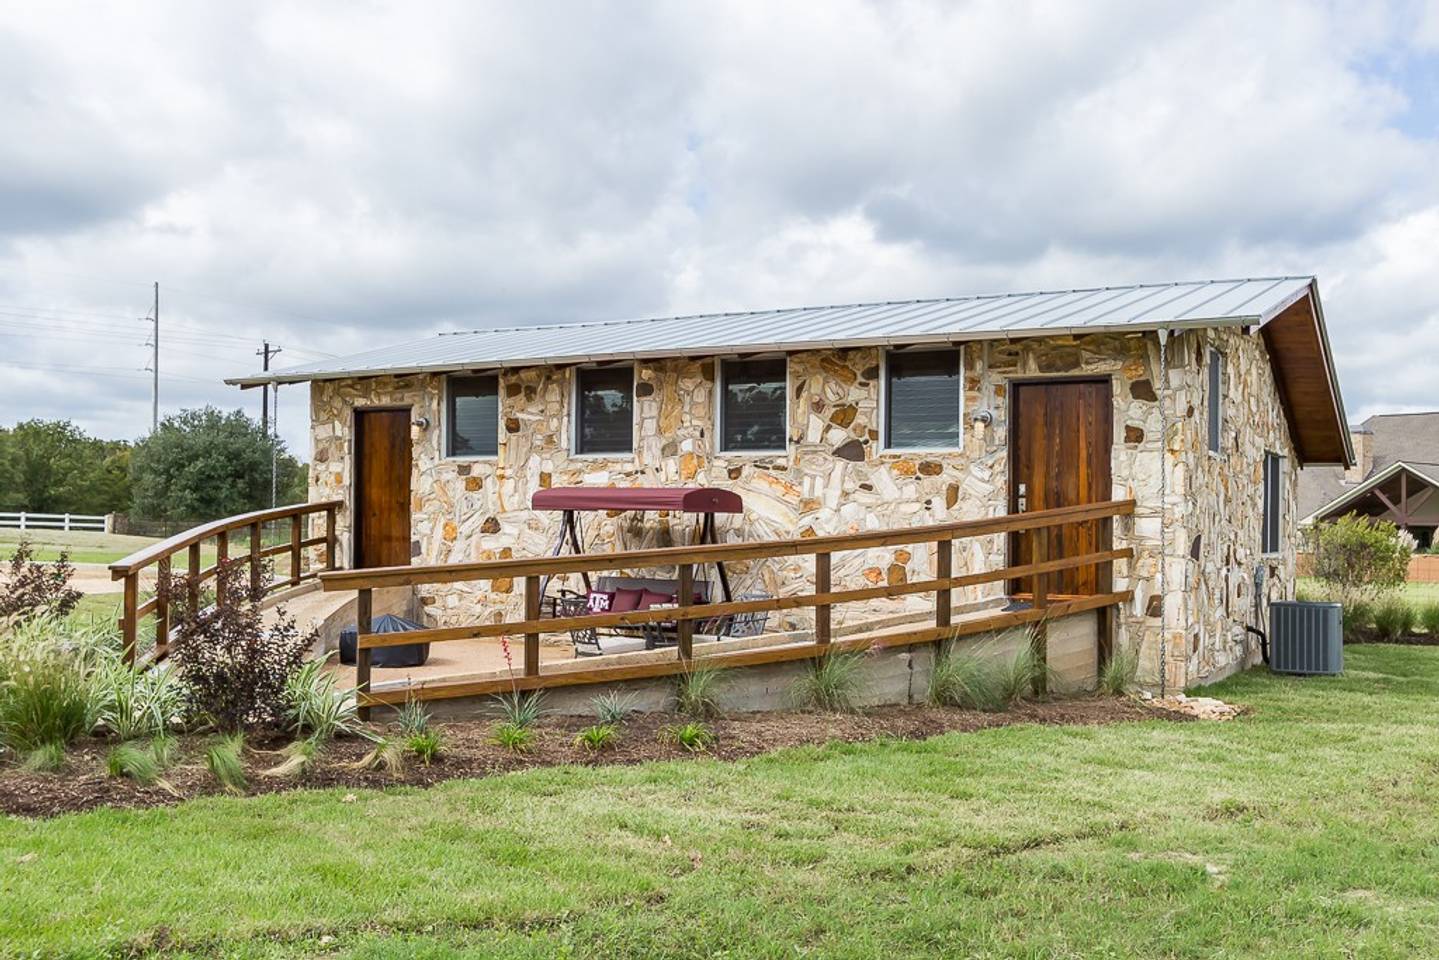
[(29, 589), (425, 745), (138, 703), (1429, 618), (46, 758), (225, 758), (1357, 617), (143, 764), (613, 707), (413, 717), (696, 692), (599, 737), (1117, 676), (513, 737), (521, 710), (47, 684), (979, 680), (1394, 618), (1358, 558), (693, 736), (235, 668), (831, 681), (315, 704)]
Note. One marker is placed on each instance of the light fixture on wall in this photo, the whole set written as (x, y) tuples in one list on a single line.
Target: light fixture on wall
[(985, 417), (422, 422)]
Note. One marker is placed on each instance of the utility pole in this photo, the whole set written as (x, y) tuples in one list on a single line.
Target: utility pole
[(155, 366), (266, 352), (272, 430)]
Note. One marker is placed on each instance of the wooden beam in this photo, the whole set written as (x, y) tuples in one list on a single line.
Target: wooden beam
[(822, 619), (943, 570)]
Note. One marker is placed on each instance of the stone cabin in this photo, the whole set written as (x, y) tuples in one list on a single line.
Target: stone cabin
[(1199, 400)]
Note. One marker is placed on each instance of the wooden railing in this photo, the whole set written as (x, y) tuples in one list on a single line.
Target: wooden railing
[(686, 559), (192, 541)]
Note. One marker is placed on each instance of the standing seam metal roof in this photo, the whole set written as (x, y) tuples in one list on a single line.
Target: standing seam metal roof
[(1088, 310)]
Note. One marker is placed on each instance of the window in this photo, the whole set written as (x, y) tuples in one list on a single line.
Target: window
[(1273, 503), (752, 405), (1216, 398), (923, 400), (472, 416), (604, 410)]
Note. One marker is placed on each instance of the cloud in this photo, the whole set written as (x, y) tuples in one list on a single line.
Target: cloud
[(334, 176)]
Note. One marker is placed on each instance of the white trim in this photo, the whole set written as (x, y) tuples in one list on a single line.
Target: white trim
[(1366, 485), (444, 418), (718, 418), (882, 408), (574, 430)]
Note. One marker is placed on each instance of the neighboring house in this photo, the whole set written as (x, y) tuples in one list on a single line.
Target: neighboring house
[(846, 418), (1395, 473)]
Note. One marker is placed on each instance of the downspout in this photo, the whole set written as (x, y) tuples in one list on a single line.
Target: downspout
[(1163, 501)]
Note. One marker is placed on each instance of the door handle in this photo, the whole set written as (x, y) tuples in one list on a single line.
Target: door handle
[(1023, 499)]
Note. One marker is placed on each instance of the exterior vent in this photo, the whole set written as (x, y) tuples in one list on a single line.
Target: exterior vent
[(1305, 638)]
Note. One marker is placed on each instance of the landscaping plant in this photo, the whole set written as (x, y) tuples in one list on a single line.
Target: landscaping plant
[(388, 754), (48, 690), (29, 589), (425, 745), (613, 707), (692, 735), (143, 763), (225, 758), (1394, 618), (413, 717), (315, 704), (1117, 676), (978, 679), (235, 668), (1359, 558), (831, 681), (1429, 618), (511, 736), (46, 758), (521, 710), (600, 736), (299, 758), (1357, 618), (696, 691), (138, 703)]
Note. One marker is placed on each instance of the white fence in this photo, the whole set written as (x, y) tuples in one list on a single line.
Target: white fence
[(56, 521)]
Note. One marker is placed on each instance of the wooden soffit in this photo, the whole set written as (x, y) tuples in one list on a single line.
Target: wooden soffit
[(1308, 388)]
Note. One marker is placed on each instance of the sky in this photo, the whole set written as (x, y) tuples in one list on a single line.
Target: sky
[(335, 176)]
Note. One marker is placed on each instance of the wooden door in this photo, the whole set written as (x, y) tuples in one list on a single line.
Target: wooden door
[(1059, 453), (382, 488)]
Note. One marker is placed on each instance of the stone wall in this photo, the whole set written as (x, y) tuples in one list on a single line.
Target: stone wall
[(836, 479)]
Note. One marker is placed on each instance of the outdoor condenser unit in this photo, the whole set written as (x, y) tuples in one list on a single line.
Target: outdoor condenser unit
[(1305, 638)]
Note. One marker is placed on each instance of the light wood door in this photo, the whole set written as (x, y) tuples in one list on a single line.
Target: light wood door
[(1059, 452), (382, 488)]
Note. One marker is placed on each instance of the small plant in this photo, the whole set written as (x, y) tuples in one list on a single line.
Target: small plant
[(47, 684), (46, 758), (1429, 618), (696, 692), (1394, 618), (387, 754), (614, 708), (1357, 619), (165, 749), (29, 589), (980, 680), (521, 710), (299, 758), (138, 703), (225, 758), (316, 705), (132, 761), (511, 736), (1116, 677), (599, 737), (692, 735), (413, 718), (831, 681), (1021, 675), (425, 745)]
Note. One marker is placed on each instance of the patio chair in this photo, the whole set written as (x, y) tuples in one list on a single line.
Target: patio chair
[(594, 642)]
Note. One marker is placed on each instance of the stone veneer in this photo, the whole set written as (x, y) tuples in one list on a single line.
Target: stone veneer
[(835, 478)]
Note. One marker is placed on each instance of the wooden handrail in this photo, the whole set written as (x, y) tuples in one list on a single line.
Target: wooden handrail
[(141, 559), (724, 552)]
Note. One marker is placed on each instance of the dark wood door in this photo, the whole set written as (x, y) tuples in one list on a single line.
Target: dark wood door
[(382, 488), (1059, 442)]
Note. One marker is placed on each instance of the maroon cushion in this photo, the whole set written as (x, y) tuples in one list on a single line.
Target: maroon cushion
[(626, 600), (599, 601), (651, 598)]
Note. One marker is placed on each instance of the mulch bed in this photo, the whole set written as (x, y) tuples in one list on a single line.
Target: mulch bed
[(470, 752)]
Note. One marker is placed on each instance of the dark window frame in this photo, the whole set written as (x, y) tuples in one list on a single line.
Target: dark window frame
[(1214, 402), (450, 418), (1272, 508), (577, 391), (722, 402), (887, 408)]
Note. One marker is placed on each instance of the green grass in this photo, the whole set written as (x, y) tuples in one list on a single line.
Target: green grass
[(1308, 828), (85, 546), (1414, 592)]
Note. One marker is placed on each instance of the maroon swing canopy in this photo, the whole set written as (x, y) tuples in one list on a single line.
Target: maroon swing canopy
[(679, 499)]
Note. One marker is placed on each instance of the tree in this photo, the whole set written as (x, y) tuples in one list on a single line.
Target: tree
[(1359, 558), (52, 466), (204, 464)]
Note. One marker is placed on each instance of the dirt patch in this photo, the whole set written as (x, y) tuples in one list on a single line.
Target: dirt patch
[(469, 751)]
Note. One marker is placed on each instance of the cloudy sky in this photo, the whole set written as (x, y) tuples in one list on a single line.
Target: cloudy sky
[(336, 176)]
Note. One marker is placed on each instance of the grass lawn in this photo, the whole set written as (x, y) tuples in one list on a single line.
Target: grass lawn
[(1416, 593), (1310, 828), (85, 546)]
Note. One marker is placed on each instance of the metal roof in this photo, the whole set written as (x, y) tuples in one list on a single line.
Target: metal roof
[(1200, 303)]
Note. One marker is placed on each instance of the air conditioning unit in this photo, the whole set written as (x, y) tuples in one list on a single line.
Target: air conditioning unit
[(1306, 638)]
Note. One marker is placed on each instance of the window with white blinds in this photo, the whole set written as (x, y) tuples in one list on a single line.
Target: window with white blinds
[(472, 416), (604, 410), (924, 399), (753, 415)]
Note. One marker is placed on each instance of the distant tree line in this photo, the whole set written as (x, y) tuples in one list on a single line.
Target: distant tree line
[(201, 464)]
